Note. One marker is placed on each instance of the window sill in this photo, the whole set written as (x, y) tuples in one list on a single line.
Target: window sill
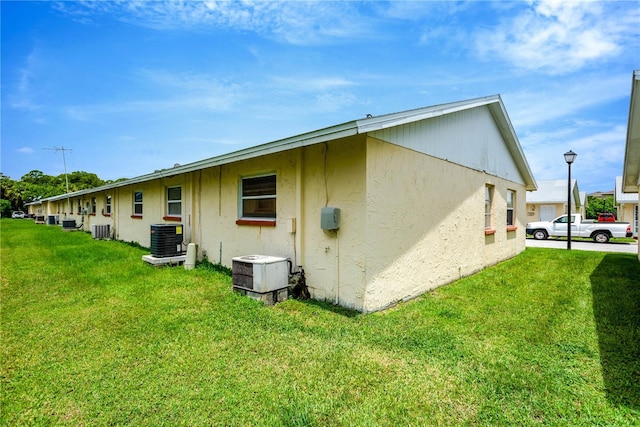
[(92, 214), (136, 216), (106, 214), (489, 231), (258, 222), (511, 228), (172, 218)]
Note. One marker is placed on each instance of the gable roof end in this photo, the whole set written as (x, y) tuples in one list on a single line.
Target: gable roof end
[(497, 109)]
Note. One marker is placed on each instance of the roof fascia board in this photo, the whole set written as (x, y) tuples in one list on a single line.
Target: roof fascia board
[(318, 136), (404, 117), (342, 131), (499, 113), (631, 165), (323, 135)]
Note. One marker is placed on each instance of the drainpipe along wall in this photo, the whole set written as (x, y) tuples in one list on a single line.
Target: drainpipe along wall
[(298, 237)]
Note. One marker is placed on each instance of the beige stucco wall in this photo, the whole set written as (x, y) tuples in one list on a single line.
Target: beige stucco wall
[(409, 222), (137, 229), (335, 261), (216, 206), (626, 213), (425, 223), (308, 179)]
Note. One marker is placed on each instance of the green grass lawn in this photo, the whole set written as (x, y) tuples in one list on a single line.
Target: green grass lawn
[(93, 336)]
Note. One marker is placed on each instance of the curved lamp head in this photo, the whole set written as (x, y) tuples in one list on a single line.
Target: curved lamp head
[(570, 156)]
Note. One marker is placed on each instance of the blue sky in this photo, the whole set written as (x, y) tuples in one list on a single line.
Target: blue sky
[(132, 87)]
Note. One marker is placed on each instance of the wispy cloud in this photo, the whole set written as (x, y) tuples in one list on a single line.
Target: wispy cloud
[(25, 150), (172, 92), (22, 97), (307, 83), (297, 22), (559, 37)]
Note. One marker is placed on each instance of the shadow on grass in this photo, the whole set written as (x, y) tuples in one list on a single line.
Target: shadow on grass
[(346, 312), (615, 285)]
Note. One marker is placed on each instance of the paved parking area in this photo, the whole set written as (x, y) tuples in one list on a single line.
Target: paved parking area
[(631, 248)]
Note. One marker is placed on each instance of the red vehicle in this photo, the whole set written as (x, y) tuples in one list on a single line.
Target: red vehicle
[(606, 217)]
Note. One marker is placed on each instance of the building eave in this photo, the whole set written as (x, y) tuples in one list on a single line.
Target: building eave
[(343, 130), (631, 165)]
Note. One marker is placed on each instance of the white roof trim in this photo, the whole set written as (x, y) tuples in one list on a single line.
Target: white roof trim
[(343, 130), (631, 165)]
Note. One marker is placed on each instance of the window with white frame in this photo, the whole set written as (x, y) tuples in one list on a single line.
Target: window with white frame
[(488, 207), (258, 197), (107, 205), (174, 201), (511, 195), (93, 205), (137, 203)]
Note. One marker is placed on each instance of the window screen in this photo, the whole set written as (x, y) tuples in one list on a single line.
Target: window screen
[(174, 201), (259, 197), (510, 207), (137, 203)]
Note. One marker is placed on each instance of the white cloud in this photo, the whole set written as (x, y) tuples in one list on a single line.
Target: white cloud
[(297, 22), (172, 92), (559, 37), (22, 97), (25, 150), (308, 83), (562, 98), (600, 150)]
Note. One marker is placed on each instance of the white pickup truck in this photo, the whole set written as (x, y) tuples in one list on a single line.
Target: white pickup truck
[(600, 232)]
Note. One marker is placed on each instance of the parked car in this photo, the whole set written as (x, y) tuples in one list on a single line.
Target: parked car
[(599, 232), (17, 214), (606, 217)]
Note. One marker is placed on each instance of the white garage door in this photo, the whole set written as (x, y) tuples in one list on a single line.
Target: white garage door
[(547, 213)]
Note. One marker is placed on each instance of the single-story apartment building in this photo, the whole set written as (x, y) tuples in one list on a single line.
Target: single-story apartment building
[(425, 197), (550, 200), (631, 166), (626, 206)]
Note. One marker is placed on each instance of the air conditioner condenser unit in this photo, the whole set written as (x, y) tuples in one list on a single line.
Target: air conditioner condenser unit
[(100, 231), (260, 273)]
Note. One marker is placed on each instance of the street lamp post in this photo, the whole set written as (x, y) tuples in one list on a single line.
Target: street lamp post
[(569, 157)]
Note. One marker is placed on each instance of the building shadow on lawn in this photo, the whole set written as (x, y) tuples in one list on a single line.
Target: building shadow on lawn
[(337, 309), (615, 285)]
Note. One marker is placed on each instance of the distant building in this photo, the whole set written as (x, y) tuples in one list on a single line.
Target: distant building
[(626, 206), (602, 194), (550, 200)]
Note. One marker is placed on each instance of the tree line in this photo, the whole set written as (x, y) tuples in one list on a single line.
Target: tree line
[(36, 185), (598, 205)]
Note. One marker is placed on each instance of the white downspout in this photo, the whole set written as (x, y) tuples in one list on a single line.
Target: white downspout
[(299, 235)]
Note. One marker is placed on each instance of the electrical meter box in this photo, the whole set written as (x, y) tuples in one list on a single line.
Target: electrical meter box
[(330, 218)]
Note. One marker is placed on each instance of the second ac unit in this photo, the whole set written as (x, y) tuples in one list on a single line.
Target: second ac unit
[(260, 273), (100, 231)]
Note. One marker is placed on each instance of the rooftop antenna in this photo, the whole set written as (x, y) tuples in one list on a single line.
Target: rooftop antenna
[(64, 161)]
